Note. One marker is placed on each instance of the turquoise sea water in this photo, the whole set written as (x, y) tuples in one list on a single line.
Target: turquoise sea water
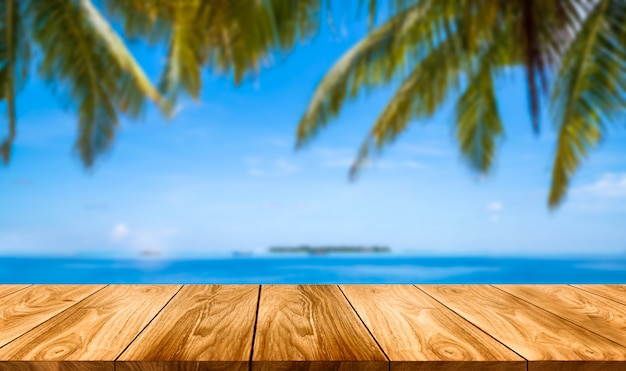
[(327, 269)]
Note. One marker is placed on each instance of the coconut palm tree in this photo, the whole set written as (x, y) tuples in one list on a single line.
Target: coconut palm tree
[(572, 50), (86, 60)]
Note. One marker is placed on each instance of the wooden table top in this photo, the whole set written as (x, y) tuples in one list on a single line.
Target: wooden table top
[(312, 327)]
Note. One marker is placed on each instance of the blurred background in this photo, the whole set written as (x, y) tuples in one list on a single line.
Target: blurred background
[(204, 194)]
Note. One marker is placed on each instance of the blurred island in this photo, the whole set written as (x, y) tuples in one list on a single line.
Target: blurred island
[(321, 250)]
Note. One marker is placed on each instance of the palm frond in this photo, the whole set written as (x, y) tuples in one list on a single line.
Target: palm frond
[(14, 61), (589, 92), (187, 51), (135, 83), (478, 122), (542, 29), (84, 61), (228, 37), (421, 93), (245, 40), (250, 36), (374, 61), (149, 20), (373, 8), (294, 20)]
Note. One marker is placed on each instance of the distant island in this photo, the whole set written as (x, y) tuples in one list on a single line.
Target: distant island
[(321, 250)]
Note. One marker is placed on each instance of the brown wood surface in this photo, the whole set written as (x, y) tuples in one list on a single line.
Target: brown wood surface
[(56, 366), (312, 327), (602, 316), (26, 309), (93, 332), (208, 327), (547, 341), (613, 292), (9, 289), (418, 333)]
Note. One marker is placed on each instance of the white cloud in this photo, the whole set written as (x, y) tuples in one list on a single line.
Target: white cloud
[(610, 185), (120, 232), (495, 206)]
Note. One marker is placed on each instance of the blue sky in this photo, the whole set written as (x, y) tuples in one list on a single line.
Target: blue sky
[(223, 176)]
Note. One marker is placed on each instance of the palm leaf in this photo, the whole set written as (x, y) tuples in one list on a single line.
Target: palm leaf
[(149, 20), (589, 91), (82, 58), (420, 94), (373, 61), (228, 37), (136, 84), (478, 121), (187, 51), (397, 46), (14, 58), (294, 21)]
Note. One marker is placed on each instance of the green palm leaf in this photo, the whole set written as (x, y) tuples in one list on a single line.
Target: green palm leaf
[(373, 61), (187, 51), (228, 37), (85, 59), (589, 92), (485, 38), (136, 84), (14, 58), (421, 93), (478, 121)]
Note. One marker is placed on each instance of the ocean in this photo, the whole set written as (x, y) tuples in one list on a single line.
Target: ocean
[(315, 270)]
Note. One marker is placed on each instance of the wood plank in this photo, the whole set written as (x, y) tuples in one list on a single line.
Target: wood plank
[(92, 333), (417, 333), (26, 309), (312, 327), (9, 289), (205, 327), (547, 341), (600, 315), (614, 292)]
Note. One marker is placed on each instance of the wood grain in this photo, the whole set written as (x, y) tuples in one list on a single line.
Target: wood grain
[(94, 331), (56, 366), (9, 289), (182, 366), (547, 341), (26, 309), (614, 292), (312, 327), (418, 333), (208, 327), (602, 316)]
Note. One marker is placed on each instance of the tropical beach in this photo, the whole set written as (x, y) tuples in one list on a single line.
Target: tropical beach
[(312, 185)]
